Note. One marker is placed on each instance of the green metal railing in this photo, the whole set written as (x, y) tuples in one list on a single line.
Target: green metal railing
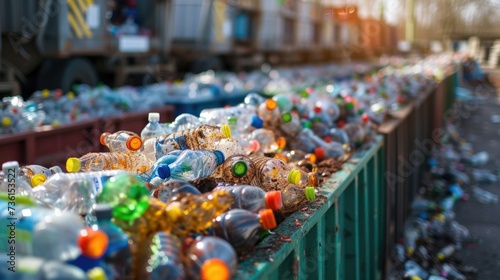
[(341, 238)]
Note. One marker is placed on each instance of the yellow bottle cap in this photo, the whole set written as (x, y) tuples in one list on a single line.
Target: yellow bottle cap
[(73, 165), (226, 131), (410, 251), (56, 123), (37, 180), (45, 93), (294, 177), (6, 121), (441, 256), (97, 273), (215, 269), (416, 278), (70, 95)]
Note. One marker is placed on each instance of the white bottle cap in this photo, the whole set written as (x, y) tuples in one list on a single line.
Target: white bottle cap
[(153, 117), (10, 165)]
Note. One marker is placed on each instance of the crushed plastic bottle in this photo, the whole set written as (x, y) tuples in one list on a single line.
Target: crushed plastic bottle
[(121, 141), (293, 197), (172, 188), (446, 252), (163, 161), (414, 229), (37, 174), (451, 272), (253, 198), (479, 159), (211, 258), (153, 128), (165, 261), (184, 121), (132, 162), (191, 165), (242, 228), (12, 182), (483, 176), (73, 192)]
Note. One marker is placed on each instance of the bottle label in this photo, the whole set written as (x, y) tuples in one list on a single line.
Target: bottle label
[(99, 183), (182, 142)]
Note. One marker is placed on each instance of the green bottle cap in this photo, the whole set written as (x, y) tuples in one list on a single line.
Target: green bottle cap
[(240, 168), (286, 117), (232, 120), (310, 193), (294, 177)]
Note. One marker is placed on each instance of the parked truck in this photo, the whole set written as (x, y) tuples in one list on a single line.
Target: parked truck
[(57, 43)]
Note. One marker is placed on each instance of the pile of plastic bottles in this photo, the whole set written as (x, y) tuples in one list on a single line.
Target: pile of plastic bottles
[(183, 200), (432, 236)]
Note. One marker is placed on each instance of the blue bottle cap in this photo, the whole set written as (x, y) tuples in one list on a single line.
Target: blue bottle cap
[(219, 156), (423, 215), (163, 171), (257, 122)]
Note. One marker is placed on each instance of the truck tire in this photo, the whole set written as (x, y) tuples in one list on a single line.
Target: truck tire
[(63, 73)]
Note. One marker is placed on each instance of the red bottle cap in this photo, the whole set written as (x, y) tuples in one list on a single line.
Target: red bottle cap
[(320, 153), (93, 243), (103, 136), (317, 109), (340, 124), (215, 269), (273, 200), (254, 145), (267, 219), (327, 139), (134, 143)]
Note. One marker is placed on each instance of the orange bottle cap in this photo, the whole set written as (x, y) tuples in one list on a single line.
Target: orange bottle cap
[(281, 141), (282, 157), (134, 143), (273, 200), (73, 165), (93, 243), (271, 104), (215, 269), (311, 157), (267, 219), (254, 145), (103, 138), (320, 153)]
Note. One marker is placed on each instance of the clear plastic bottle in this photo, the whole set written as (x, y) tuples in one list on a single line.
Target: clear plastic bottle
[(191, 165), (117, 256), (268, 142), (414, 229), (452, 272), (165, 191), (162, 161), (31, 268), (121, 141), (242, 228), (246, 118), (132, 162), (37, 174), (269, 113), (165, 261), (482, 176), (293, 197), (253, 198), (185, 121), (153, 128), (237, 169), (413, 269), (446, 252), (73, 192), (48, 234), (204, 137), (12, 182), (275, 174), (479, 159), (211, 258), (484, 197), (290, 124)]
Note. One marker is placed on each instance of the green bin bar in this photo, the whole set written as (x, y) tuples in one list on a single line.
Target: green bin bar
[(342, 239)]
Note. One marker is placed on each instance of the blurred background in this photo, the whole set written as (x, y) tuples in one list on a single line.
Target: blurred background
[(61, 43)]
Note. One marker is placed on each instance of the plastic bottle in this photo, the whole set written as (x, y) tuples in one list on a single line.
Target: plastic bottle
[(37, 174), (322, 149), (162, 161), (211, 258), (191, 165), (204, 137), (73, 192), (153, 128), (479, 159), (31, 268), (275, 174), (165, 191), (121, 141), (413, 269), (48, 234), (237, 169), (484, 196), (414, 229), (245, 118), (483, 176), (293, 197), (269, 113), (165, 261), (268, 142), (12, 182), (458, 233), (242, 228), (132, 162), (424, 205), (184, 121), (117, 256), (253, 198), (446, 252), (290, 124), (452, 273)]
